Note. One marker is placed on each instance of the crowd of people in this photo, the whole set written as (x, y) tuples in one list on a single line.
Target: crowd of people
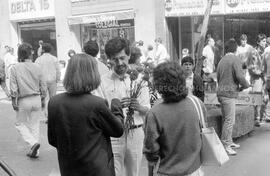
[(112, 113)]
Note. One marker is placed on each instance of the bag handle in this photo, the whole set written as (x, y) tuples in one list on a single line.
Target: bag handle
[(199, 110)]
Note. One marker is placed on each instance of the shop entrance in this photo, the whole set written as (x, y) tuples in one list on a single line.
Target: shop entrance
[(33, 32)]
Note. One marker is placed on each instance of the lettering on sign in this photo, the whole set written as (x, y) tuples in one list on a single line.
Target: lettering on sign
[(29, 6)]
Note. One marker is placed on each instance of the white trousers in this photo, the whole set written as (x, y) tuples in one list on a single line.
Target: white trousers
[(28, 118), (127, 153)]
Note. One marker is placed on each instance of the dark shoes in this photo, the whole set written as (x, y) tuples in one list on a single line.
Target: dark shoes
[(33, 153)]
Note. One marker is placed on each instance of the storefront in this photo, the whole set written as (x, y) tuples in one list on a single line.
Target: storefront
[(229, 19), (33, 21), (102, 27)]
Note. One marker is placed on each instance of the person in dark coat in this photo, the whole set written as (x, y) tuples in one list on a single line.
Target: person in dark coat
[(194, 82), (80, 124)]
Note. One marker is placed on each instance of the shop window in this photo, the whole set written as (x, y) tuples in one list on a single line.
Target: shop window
[(101, 33)]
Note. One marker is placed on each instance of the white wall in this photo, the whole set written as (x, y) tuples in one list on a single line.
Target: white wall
[(145, 21), (66, 36)]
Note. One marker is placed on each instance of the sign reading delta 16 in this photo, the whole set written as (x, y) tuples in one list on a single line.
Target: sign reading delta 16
[(30, 9)]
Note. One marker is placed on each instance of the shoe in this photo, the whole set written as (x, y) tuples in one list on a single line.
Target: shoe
[(230, 151), (257, 123), (33, 153), (234, 146)]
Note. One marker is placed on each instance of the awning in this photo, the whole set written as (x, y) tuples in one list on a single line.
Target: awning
[(101, 17)]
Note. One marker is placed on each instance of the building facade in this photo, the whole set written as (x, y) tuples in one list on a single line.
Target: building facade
[(68, 24), (229, 19)]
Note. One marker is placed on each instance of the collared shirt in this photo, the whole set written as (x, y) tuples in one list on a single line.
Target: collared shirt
[(26, 79), (102, 68), (49, 66), (189, 84), (112, 87)]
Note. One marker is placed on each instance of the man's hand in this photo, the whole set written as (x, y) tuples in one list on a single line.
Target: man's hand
[(125, 102)]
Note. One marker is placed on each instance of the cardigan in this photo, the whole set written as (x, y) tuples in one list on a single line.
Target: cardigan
[(172, 133), (80, 127)]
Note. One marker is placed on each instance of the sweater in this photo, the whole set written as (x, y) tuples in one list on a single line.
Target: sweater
[(172, 133), (230, 76)]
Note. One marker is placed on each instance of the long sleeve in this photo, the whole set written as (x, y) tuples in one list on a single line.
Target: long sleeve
[(111, 122), (51, 126), (152, 134), (238, 71), (14, 89)]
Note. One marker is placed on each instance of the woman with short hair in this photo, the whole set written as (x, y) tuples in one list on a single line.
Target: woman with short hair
[(178, 150), (80, 124), (28, 92)]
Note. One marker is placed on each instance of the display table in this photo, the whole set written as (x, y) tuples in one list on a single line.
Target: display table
[(244, 119)]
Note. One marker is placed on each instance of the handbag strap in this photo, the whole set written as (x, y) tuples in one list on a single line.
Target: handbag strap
[(199, 110)]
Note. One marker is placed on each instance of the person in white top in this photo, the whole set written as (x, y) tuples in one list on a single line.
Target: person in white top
[(161, 54), (91, 48), (208, 53), (128, 149), (50, 70), (10, 60), (244, 52), (267, 49)]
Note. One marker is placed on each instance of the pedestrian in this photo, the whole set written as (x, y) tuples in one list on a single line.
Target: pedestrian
[(172, 129), (91, 47), (80, 124), (161, 54), (39, 51), (231, 80), (128, 149), (71, 53), (208, 53), (50, 69), (244, 52), (135, 59), (3, 78), (28, 92), (255, 68), (194, 82)]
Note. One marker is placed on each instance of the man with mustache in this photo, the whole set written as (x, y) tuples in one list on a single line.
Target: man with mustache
[(127, 150)]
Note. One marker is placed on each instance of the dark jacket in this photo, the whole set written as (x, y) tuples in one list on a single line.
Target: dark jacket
[(230, 76), (178, 149), (198, 88), (80, 126)]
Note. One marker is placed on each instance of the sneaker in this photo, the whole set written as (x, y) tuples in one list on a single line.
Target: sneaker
[(33, 153), (230, 151), (234, 146), (257, 123)]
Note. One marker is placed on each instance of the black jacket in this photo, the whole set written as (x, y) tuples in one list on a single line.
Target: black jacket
[(80, 127), (198, 88)]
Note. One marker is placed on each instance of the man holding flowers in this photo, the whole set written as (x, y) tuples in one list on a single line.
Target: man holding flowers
[(135, 100)]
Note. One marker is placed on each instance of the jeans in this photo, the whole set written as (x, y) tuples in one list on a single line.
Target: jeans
[(28, 117), (228, 113), (127, 151)]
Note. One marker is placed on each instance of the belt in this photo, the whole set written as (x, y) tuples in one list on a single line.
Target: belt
[(135, 126)]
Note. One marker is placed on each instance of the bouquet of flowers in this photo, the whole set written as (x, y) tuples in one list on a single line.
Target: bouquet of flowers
[(135, 91)]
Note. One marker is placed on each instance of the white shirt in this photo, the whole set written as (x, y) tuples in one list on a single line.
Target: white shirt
[(161, 54), (208, 62), (102, 68), (112, 87), (189, 84), (49, 66), (244, 52)]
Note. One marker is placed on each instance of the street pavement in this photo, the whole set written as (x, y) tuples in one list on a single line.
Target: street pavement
[(253, 158)]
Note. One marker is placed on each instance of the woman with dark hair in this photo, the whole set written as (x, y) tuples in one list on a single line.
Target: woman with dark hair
[(28, 92), (80, 124), (179, 149)]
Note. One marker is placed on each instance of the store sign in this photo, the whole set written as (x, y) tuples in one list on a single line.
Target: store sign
[(243, 98), (30, 9), (106, 20), (246, 6), (191, 7)]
